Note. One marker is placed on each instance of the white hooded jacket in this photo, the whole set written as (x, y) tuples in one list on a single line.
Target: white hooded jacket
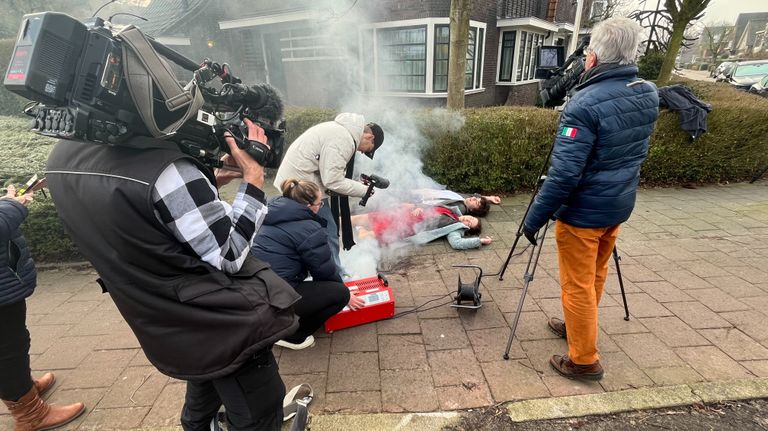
[(321, 155)]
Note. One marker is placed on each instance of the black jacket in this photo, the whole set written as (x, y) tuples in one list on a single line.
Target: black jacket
[(17, 271), (693, 112), (192, 320), (293, 240)]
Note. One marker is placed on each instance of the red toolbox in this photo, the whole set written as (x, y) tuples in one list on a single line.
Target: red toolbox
[(379, 304)]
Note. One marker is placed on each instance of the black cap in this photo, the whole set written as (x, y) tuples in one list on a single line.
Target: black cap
[(378, 138)]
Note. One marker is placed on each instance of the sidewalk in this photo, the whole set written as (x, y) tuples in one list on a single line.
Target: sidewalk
[(695, 267)]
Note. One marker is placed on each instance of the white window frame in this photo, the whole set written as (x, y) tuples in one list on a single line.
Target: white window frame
[(430, 24), (543, 33), (321, 42)]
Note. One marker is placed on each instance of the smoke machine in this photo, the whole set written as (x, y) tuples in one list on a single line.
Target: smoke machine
[(88, 82), (560, 76)]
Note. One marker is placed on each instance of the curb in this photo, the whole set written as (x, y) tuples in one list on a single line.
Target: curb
[(637, 399)]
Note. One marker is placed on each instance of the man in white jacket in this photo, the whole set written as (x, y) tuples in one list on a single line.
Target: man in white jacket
[(324, 154)]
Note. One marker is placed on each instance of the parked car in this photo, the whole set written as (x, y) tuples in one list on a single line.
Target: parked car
[(720, 69), (747, 73), (761, 88)]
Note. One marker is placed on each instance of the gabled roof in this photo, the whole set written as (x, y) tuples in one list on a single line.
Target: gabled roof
[(163, 15), (741, 24)]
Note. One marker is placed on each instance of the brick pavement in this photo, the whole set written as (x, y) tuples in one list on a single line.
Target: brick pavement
[(695, 266)]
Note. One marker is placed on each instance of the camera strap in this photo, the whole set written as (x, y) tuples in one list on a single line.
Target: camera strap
[(144, 69)]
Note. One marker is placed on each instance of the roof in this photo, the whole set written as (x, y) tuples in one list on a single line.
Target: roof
[(163, 15), (741, 23)]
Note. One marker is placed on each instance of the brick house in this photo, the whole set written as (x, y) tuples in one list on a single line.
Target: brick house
[(325, 52)]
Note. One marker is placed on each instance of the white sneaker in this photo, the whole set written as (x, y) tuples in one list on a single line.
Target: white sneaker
[(308, 342)]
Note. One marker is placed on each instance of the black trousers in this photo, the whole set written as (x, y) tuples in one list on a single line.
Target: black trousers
[(252, 396), (15, 378), (319, 301)]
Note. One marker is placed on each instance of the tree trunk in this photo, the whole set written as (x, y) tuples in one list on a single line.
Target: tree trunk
[(673, 47), (457, 55)]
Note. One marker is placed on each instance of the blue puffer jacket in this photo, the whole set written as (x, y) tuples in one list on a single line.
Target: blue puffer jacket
[(601, 142), (17, 271), (294, 241)]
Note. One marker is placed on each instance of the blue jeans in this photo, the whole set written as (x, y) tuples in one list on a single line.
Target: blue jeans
[(333, 233)]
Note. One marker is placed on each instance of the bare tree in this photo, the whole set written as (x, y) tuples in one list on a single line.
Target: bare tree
[(716, 38), (457, 54), (681, 12), (658, 24), (609, 9)]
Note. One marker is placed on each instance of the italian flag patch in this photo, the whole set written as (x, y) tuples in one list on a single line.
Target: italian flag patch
[(569, 132)]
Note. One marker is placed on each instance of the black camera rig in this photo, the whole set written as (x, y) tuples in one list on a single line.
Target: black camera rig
[(372, 181), (562, 79), (90, 82)]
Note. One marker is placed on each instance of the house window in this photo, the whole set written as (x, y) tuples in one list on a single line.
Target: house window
[(442, 44), (301, 44), (518, 53), (507, 56), (469, 68), (479, 61), (402, 59)]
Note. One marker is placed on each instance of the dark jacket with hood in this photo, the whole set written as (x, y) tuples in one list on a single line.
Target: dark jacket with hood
[(601, 142), (17, 272), (192, 320), (294, 241)]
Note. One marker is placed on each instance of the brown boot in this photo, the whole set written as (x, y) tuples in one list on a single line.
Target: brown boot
[(31, 413), (566, 368), (558, 327), (44, 383)]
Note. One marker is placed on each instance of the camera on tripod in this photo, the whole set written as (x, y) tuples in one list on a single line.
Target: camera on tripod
[(561, 74), (91, 82)]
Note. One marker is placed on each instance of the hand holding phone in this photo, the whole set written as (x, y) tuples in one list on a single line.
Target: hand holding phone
[(32, 185)]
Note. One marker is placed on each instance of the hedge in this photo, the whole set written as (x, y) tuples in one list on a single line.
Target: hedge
[(499, 149)]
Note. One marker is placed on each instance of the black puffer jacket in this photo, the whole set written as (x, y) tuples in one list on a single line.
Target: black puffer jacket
[(294, 242), (17, 271)]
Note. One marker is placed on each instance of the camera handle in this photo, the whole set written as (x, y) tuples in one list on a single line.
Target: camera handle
[(533, 259)]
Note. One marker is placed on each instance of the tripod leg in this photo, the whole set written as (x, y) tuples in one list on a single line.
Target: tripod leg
[(616, 259), (509, 256), (760, 175), (530, 271)]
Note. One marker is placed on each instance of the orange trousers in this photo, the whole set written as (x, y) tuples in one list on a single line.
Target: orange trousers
[(583, 254)]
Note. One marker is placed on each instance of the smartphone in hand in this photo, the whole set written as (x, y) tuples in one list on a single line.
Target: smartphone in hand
[(34, 184)]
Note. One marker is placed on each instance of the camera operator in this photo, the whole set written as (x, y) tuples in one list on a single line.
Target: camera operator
[(175, 259), (325, 155), (591, 185)]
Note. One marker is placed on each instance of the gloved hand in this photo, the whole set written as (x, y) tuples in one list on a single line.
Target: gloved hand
[(530, 235)]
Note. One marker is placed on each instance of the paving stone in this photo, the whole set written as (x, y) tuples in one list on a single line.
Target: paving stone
[(353, 402), (712, 363), (45, 302), (465, 396), (736, 287), (696, 315), (515, 379), (42, 337), (487, 316), (140, 360), (675, 252), (407, 391), (85, 377), (718, 258), (454, 367), (758, 368), (560, 386), (406, 324), (443, 334), (98, 359), (435, 307), (674, 332), (507, 299), (312, 360), (663, 291), (621, 373), (402, 352), (489, 344), (540, 351), (638, 273), (749, 273), (669, 376), (704, 269), (685, 279), (357, 339), (70, 312), (89, 397), (750, 322), (166, 411), (544, 287), (137, 386), (643, 305), (657, 263), (735, 343), (66, 352), (611, 321), (114, 419), (531, 326), (717, 300), (124, 339), (354, 372), (647, 351)]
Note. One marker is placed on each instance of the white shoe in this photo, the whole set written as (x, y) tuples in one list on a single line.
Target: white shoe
[(308, 342)]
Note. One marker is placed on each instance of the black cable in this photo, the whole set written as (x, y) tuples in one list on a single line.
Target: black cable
[(417, 309), (102, 7)]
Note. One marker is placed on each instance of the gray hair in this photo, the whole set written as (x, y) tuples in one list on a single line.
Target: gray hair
[(615, 40)]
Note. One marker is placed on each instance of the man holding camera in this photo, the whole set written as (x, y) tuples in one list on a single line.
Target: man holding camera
[(592, 181), (175, 259), (325, 155)]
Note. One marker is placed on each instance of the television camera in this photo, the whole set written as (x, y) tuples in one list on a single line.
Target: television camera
[(372, 181), (561, 76), (94, 82)]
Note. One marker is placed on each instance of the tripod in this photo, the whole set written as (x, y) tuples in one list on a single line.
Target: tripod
[(533, 259)]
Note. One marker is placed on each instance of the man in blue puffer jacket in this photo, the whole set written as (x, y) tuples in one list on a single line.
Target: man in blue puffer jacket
[(590, 188)]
